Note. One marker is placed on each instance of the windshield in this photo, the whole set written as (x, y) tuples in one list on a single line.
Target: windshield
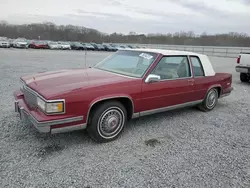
[(130, 63)]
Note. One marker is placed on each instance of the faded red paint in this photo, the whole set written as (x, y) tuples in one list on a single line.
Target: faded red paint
[(83, 87)]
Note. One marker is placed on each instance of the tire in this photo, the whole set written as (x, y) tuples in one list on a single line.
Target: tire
[(243, 77), (111, 112), (210, 100)]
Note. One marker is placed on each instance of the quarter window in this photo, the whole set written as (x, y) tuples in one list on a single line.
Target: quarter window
[(173, 67), (197, 67)]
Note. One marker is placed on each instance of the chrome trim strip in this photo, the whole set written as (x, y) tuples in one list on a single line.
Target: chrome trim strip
[(168, 108), (56, 122), (69, 128), (136, 115), (106, 98)]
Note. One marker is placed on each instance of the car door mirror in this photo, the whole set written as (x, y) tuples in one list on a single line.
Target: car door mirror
[(152, 78)]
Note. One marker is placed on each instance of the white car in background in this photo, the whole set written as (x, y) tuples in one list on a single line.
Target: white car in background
[(4, 43), (64, 45), (20, 43), (243, 66), (54, 45)]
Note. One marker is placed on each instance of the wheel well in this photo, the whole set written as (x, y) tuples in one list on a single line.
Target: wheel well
[(219, 91), (124, 100)]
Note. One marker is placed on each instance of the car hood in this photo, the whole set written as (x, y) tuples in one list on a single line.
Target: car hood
[(53, 83)]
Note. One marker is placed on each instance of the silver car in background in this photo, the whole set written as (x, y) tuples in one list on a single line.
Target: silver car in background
[(20, 43), (64, 45), (54, 45), (4, 42)]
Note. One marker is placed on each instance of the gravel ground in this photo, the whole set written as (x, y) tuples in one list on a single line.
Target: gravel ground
[(182, 148)]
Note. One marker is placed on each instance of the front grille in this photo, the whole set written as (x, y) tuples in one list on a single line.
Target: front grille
[(30, 98)]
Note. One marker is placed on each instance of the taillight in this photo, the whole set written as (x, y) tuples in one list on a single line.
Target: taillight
[(238, 59)]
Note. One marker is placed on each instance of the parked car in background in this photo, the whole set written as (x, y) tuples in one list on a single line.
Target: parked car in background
[(126, 85), (77, 46), (116, 46), (54, 45), (108, 47), (97, 47), (39, 45), (20, 43), (243, 66), (101, 47), (64, 45), (88, 46), (4, 43)]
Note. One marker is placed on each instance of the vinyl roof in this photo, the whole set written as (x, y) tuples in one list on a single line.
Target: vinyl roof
[(165, 52)]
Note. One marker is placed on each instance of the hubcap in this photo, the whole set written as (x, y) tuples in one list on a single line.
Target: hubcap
[(110, 122), (211, 99)]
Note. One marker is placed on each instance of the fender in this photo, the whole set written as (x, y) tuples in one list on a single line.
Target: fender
[(106, 97), (212, 86)]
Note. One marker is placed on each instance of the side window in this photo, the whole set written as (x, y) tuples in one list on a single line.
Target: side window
[(173, 67), (198, 69)]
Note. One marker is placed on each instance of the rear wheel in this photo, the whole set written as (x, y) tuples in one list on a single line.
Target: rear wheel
[(107, 121), (210, 100), (244, 77)]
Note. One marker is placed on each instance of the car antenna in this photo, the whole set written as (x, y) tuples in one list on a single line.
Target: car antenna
[(85, 56)]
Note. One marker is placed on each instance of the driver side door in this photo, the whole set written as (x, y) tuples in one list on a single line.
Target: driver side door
[(175, 87)]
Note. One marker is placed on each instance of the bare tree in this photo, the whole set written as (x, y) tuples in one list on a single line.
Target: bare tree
[(51, 31)]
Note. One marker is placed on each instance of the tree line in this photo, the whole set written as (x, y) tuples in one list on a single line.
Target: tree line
[(51, 31)]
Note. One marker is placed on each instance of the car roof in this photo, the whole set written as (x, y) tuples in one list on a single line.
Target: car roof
[(207, 66), (165, 52)]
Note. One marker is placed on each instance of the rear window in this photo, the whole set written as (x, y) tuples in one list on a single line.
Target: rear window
[(197, 66)]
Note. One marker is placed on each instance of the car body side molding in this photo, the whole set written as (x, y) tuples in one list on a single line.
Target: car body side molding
[(164, 109)]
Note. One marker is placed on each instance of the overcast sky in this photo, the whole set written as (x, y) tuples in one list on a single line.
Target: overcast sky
[(141, 16)]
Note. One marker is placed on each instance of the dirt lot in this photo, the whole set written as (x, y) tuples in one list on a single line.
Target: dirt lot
[(182, 148)]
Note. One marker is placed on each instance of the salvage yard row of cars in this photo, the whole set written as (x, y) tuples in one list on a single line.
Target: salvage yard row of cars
[(60, 45), (128, 84)]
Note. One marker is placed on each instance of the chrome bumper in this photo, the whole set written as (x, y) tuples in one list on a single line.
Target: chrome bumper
[(45, 126), (243, 69)]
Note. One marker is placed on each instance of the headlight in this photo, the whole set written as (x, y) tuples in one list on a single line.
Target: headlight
[(54, 107), (41, 104), (50, 107)]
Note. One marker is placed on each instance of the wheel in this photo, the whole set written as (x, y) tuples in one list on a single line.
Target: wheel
[(107, 121), (244, 77), (210, 100)]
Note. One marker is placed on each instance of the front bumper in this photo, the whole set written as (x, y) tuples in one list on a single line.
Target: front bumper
[(242, 69), (58, 125)]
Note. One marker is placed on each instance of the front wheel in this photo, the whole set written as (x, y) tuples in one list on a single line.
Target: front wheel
[(107, 121), (210, 100)]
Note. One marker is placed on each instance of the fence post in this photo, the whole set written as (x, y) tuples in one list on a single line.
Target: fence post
[(226, 51)]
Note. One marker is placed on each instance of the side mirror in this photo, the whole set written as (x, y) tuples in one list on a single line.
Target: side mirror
[(152, 78)]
